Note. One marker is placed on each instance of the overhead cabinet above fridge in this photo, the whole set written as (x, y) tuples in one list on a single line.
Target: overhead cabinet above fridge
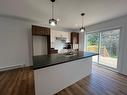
[(60, 35)]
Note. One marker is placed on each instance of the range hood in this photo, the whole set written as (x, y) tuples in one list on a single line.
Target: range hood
[(61, 38)]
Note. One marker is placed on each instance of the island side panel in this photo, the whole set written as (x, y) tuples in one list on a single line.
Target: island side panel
[(53, 79)]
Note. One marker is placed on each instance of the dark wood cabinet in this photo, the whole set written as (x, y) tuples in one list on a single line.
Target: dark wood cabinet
[(74, 38), (40, 31)]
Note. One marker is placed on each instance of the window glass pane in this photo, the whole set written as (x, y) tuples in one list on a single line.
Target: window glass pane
[(92, 44), (106, 43), (109, 47)]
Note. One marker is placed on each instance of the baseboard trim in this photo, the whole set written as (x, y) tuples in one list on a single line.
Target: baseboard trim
[(107, 67), (110, 69), (12, 67)]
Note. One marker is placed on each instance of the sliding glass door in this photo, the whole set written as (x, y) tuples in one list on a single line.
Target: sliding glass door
[(109, 48), (93, 44), (106, 43)]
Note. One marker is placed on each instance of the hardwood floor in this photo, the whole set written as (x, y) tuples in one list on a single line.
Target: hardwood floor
[(100, 82), (17, 82)]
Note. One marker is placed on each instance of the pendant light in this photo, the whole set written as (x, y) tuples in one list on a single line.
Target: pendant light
[(82, 29), (52, 21)]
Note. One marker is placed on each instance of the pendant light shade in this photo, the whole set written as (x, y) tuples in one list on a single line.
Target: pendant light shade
[(82, 29), (52, 21)]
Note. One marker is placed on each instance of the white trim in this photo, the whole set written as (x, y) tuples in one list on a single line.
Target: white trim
[(12, 67), (106, 29), (105, 67)]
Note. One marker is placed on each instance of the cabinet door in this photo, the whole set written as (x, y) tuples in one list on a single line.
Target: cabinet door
[(40, 31), (55, 34), (74, 38), (68, 36)]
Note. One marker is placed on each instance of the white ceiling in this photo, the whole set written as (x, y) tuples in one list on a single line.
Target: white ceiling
[(68, 11)]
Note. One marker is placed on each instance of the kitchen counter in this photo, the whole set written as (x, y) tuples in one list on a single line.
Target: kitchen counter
[(52, 73), (43, 61)]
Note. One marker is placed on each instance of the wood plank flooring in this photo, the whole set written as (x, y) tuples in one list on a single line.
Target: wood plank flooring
[(100, 82), (17, 82)]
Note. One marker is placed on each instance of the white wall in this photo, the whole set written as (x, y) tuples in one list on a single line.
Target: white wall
[(40, 45), (116, 23), (81, 41), (58, 45), (14, 43)]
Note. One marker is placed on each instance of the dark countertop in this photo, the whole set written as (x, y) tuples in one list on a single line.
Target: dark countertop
[(43, 61)]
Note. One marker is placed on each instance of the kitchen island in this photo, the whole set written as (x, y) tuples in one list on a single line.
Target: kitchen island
[(52, 73)]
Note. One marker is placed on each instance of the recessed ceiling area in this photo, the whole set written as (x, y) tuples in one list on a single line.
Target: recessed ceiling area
[(67, 11)]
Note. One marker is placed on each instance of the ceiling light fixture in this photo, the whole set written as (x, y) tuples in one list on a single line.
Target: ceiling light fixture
[(82, 29), (52, 21)]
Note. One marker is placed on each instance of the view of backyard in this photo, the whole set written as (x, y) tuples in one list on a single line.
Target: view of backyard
[(106, 44)]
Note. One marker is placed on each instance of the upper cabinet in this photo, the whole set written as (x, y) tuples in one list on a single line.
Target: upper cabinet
[(40, 31), (55, 34)]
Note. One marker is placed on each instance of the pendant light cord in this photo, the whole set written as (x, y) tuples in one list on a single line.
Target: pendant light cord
[(82, 14), (52, 10), (82, 21)]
